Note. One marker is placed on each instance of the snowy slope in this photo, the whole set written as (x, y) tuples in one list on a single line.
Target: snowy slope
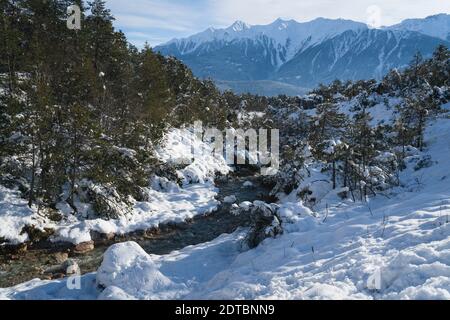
[(167, 202), (388, 248), (15, 215), (368, 54), (435, 26), (177, 148)]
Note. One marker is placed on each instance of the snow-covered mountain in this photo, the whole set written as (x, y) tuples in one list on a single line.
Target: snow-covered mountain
[(306, 54), (436, 26), (281, 39), (354, 55)]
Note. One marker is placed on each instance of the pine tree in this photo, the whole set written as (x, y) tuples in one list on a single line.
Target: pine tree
[(361, 142), (11, 55), (101, 35), (416, 68), (153, 88), (327, 128), (440, 67)]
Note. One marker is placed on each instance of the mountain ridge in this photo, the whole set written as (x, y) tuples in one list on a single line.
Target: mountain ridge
[(305, 54)]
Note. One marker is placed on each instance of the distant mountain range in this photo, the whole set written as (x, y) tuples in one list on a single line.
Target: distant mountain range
[(288, 56), (262, 87)]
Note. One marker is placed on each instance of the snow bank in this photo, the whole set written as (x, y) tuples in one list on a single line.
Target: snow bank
[(52, 290), (167, 202), (163, 207), (127, 271), (179, 148), (15, 215)]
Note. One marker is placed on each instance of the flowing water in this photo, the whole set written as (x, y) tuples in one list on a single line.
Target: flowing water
[(31, 264)]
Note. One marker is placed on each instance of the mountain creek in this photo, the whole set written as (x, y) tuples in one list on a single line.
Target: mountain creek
[(47, 262)]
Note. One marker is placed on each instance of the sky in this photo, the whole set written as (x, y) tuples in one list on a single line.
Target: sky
[(158, 21)]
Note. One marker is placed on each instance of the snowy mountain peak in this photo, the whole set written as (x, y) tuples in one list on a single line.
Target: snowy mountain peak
[(305, 54), (288, 35), (239, 25), (281, 20), (282, 24)]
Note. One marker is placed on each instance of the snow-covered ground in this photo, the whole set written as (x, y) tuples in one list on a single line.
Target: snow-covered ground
[(388, 248), (167, 201), (15, 215)]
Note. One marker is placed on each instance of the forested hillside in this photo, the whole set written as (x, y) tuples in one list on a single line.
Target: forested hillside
[(362, 132), (85, 105)]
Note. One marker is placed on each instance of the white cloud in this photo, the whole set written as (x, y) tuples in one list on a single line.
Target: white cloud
[(169, 11), (154, 21), (140, 38), (136, 22)]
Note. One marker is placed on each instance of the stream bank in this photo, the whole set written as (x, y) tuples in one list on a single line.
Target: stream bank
[(43, 260)]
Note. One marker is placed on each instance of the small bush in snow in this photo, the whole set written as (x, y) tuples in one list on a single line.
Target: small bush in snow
[(265, 223)]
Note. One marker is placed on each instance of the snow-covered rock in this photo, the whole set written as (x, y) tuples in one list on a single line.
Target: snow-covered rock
[(201, 166), (248, 184), (128, 271), (115, 293), (245, 205), (230, 199)]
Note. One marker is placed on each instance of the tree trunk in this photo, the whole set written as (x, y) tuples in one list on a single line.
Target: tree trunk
[(33, 177), (345, 172), (334, 174)]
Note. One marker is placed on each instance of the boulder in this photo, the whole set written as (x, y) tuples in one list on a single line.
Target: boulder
[(61, 257), (248, 184), (265, 223), (128, 272), (84, 247), (230, 199), (67, 268), (97, 236), (71, 267)]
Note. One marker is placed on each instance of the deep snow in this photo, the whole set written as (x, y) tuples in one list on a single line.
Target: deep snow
[(167, 202), (387, 248), (14, 215)]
